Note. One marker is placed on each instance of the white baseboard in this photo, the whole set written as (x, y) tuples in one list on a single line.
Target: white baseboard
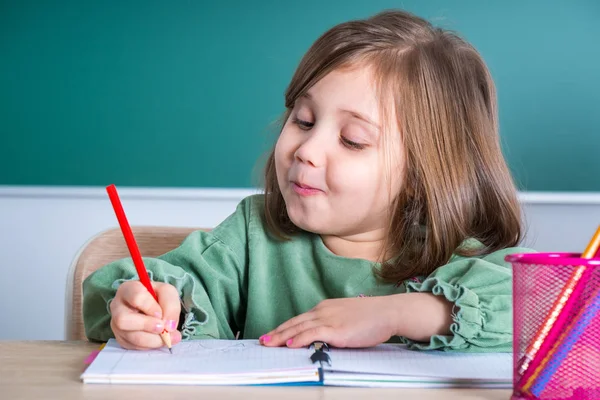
[(152, 193), (145, 193), (43, 228)]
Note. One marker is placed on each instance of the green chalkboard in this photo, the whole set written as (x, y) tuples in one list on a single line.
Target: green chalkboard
[(185, 93)]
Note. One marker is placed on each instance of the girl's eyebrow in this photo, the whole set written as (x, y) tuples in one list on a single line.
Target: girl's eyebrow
[(355, 114), (363, 117)]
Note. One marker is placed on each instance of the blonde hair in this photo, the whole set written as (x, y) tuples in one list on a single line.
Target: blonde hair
[(456, 184)]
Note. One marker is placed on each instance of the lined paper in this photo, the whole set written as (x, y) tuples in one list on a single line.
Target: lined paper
[(231, 362), (200, 357), (398, 360)]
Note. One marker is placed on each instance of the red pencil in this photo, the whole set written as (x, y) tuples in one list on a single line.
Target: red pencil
[(134, 251)]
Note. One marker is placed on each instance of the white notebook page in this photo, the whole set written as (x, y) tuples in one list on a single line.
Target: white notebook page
[(212, 358), (200, 357), (396, 359)]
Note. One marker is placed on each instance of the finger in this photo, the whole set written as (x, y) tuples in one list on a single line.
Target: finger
[(175, 337), (125, 339), (307, 316), (168, 299), (284, 336), (123, 343), (140, 340), (321, 333), (299, 319), (135, 295), (127, 320)]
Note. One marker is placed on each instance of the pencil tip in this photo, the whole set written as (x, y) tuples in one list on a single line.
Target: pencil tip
[(170, 350)]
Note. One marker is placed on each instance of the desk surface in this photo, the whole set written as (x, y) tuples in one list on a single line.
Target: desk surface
[(51, 369)]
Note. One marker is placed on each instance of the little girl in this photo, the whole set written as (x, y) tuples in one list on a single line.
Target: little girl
[(387, 213)]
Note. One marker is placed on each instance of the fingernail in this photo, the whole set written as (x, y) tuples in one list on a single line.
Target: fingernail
[(159, 327), (289, 342), (171, 325), (266, 338), (157, 314)]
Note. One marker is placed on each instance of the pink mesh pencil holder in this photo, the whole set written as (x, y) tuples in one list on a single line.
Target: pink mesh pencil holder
[(556, 326)]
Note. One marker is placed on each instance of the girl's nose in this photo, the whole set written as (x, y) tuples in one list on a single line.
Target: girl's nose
[(311, 151)]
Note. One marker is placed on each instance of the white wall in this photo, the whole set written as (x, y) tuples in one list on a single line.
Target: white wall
[(42, 229)]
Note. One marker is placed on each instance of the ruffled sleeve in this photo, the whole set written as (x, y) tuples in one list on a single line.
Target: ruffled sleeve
[(209, 270), (481, 290)]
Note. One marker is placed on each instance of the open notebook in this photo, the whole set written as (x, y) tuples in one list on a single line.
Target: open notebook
[(246, 362)]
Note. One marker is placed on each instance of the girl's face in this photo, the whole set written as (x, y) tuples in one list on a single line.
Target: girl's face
[(330, 157)]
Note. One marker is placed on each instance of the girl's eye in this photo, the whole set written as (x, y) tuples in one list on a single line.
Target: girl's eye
[(305, 125), (350, 144)]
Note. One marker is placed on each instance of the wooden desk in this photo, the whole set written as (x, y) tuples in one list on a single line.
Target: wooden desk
[(51, 369)]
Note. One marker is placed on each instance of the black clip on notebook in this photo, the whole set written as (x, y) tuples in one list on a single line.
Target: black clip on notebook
[(320, 356)]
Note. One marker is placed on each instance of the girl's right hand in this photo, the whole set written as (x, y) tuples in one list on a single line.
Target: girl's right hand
[(137, 319)]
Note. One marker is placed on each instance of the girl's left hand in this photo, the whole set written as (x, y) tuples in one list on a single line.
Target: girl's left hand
[(348, 322)]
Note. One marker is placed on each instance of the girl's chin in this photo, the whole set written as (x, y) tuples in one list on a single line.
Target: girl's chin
[(305, 224)]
